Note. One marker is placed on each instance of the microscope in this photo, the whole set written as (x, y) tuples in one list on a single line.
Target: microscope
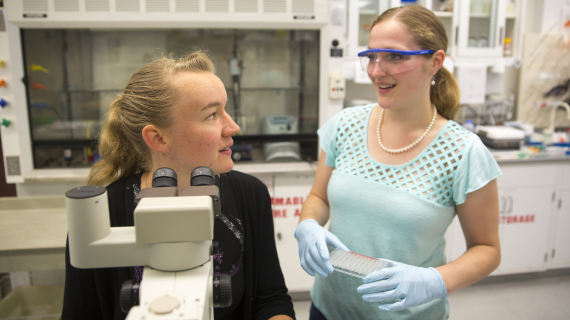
[(172, 239)]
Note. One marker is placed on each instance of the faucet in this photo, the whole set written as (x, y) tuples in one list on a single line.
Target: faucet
[(555, 105)]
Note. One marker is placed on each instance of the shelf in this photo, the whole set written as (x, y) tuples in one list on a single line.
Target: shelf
[(443, 14), (80, 143), (511, 16), (307, 137), (368, 12), (79, 174), (480, 15), (278, 167), (72, 143), (227, 89)]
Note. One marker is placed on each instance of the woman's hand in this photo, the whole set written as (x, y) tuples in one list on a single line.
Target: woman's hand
[(313, 251), (401, 286)]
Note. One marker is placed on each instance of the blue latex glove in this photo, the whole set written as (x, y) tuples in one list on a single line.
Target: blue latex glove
[(400, 286), (313, 251)]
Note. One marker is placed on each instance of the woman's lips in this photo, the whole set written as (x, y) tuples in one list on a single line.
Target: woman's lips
[(384, 88)]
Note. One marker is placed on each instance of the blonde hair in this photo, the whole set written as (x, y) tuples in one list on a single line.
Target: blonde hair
[(147, 99), (429, 33)]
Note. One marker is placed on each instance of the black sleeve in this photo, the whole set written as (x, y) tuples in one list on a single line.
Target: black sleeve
[(80, 298), (271, 296)]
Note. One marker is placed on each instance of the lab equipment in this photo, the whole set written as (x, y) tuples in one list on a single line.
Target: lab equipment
[(313, 251), (501, 137), (469, 125), (401, 286), (172, 238), (355, 264), (242, 152), (555, 106), (280, 125), (391, 61), (281, 151)]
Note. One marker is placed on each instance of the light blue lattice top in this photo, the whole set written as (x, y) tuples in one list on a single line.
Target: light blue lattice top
[(430, 175)]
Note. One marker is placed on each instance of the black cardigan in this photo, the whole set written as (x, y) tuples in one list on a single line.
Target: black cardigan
[(94, 293)]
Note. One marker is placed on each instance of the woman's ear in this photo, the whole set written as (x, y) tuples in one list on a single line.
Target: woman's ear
[(437, 63), (154, 138)]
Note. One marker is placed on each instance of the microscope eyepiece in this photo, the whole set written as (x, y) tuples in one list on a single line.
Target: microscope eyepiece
[(164, 177), (202, 176)]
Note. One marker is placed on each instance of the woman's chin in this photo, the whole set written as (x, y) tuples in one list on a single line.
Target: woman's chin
[(225, 168)]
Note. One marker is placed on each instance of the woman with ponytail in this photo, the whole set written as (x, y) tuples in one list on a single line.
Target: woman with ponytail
[(391, 178), (172, 114)]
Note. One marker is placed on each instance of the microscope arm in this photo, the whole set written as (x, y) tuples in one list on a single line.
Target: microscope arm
[(164, 227)]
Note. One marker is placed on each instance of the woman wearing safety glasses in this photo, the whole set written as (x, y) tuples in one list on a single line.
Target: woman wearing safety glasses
[(391, 178)]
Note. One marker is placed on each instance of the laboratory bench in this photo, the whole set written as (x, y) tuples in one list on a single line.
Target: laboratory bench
[(33, 233)]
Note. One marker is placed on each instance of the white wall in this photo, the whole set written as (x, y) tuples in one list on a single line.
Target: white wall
[(542, 15)]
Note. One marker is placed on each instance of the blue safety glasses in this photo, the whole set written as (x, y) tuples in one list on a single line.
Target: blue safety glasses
[(391, 61)]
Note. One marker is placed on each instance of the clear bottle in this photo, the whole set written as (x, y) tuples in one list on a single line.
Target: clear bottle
[(508, 47), (469, 125)]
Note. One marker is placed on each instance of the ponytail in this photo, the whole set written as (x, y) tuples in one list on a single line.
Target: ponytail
[(119, 156), (444, 94)]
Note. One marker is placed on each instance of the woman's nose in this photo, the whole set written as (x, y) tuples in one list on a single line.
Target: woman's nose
[(231, 128), (376, 70)]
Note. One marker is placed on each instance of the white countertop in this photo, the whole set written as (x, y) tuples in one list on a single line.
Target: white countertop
[(526, 154), (33, 233)]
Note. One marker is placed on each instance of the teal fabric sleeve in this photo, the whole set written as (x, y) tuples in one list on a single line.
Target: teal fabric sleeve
[(477, 168), (327, 135)]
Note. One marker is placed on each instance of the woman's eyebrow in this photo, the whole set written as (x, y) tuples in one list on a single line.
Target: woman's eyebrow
[(211, 105)]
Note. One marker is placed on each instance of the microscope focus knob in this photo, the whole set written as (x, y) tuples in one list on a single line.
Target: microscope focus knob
[(222, 291), (129, 295)]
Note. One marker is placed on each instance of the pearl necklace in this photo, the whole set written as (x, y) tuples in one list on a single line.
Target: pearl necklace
[(413, 143)]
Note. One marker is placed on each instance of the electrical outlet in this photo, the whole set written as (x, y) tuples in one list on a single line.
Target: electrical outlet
[(13, 165)]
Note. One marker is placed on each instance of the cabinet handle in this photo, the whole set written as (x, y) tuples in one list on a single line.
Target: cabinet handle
[(511, 204), (553, 253), (559, 203), (456, 34), (279, 236), (501, 37)]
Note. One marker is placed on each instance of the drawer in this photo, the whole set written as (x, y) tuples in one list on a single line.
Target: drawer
[(531, 174)]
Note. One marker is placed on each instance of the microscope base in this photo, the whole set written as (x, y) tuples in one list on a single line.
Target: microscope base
[(180, 295)]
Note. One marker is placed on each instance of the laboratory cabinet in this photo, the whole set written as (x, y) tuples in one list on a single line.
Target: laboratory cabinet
[(288, 193), (560, 248), (483, 28), (527, 194), (534, 219), (273, 58), (475, 28), (271, 79)]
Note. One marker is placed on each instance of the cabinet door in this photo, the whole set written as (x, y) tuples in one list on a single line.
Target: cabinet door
[(560, 253), (288, 197), (457, 245), (523, 229), (481, 28), (361, 15)]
